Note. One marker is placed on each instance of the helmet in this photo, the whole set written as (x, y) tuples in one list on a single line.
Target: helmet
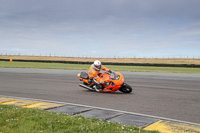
[(97, 64)]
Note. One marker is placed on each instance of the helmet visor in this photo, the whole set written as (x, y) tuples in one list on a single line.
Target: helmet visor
[(98, 66)]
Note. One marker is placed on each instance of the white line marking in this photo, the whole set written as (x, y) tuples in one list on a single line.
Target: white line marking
[(125, 112)]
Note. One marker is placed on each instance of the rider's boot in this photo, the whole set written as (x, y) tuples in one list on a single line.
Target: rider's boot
[(98, 87)]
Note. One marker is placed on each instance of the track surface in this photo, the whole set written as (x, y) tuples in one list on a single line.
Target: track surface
[(175, 96)]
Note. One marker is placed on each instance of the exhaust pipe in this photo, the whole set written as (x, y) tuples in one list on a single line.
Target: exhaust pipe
[(85, 86)]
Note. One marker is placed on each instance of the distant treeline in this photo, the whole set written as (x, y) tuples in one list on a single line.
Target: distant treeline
[(109, 63)]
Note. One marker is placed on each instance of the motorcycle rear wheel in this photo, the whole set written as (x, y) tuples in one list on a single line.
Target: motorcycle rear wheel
[(126, 88)]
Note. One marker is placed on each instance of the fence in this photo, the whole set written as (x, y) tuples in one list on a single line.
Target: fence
[(110, 63), (112, 56)]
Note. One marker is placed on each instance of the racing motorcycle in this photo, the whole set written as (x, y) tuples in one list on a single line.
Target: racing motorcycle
[(115, 80)]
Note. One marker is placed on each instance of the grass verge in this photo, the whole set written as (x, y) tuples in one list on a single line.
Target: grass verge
[(23, 120), (86, 67)]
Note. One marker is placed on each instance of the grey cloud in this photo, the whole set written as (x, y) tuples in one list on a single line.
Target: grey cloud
[(99, 9), (128, 25)]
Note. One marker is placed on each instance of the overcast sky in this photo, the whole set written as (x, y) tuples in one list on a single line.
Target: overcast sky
[(100, 28)]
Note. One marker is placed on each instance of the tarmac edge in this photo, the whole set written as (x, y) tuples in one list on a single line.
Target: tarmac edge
[(147, 122)]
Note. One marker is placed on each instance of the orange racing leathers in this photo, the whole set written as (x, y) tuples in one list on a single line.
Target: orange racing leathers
[(94, 74)]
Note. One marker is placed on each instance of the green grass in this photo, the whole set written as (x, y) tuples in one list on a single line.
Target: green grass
[(23, 120), (156, 69), (86, 67), (42, 65)]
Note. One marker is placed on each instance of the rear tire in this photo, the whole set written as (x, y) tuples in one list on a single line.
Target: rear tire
[(126, 88)]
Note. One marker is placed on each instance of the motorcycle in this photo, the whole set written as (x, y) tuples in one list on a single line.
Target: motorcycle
[(115, 80)]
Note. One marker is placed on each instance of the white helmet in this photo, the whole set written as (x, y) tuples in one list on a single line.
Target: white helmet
[(97, 64)]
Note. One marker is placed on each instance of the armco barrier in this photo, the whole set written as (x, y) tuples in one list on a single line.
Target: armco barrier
[(110, 63)]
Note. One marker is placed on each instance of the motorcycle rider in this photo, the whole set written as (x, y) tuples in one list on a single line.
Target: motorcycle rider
[(93, 74)]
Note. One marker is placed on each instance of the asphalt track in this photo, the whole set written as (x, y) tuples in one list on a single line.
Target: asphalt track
[(175, 96)]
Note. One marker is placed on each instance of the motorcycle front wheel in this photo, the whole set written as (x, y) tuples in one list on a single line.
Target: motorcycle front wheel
[(126, 88)]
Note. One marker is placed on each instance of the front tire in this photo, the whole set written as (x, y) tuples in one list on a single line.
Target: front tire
[(125, 88)]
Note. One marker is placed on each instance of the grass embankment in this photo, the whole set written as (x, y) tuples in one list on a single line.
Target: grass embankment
[(86, 67), (23, 120)]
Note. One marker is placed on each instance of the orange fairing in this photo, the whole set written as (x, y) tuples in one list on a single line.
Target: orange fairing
[(121, 79), (116, 78)]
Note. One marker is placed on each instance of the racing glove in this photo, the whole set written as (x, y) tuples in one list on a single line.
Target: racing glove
[(90, 80), (110, 71)]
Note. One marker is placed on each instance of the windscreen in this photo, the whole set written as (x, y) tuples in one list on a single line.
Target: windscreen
[(114, 76)]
